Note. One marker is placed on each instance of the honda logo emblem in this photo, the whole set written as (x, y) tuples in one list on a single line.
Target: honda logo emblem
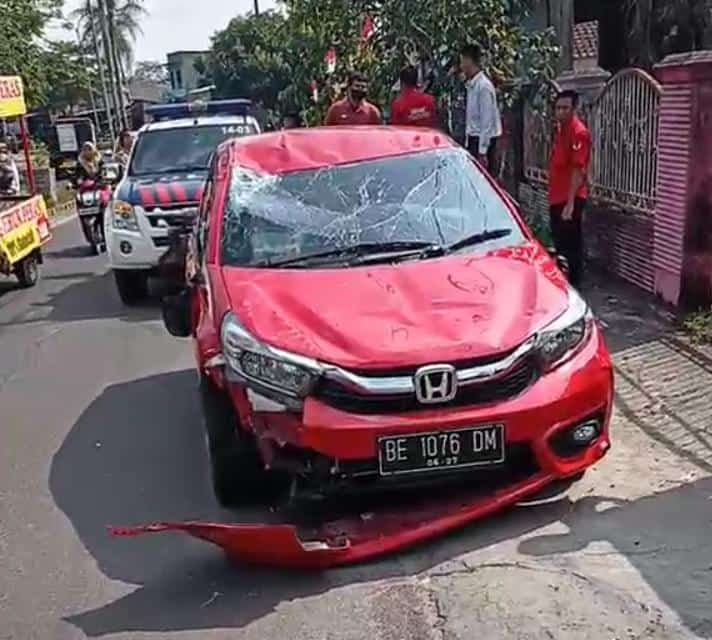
[(435, 384)]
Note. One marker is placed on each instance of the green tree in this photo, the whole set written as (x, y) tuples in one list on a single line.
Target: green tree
[(70, 73), (22, 24), (150, 71), (660, 27), (247, 59), (125, 22), (430, 37)]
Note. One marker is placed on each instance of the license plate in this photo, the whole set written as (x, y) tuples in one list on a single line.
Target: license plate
[(441, 451)]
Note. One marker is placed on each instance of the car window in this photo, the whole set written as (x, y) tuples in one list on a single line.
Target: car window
[(182, 149), (437, 197)]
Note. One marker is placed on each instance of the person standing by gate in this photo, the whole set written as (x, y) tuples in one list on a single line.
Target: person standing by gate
[(483, 119), (568, 183)]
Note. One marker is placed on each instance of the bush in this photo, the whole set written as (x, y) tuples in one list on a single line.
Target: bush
[(699, 326)]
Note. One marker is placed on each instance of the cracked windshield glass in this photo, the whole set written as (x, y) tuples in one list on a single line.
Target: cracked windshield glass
[(435, 198)]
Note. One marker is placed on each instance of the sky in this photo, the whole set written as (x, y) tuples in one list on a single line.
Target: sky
[(175, 25)]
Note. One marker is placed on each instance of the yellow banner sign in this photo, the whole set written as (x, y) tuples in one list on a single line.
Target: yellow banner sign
[(12, 97), (23, 229)]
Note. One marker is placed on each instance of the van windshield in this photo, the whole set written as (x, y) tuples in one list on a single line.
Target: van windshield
[(182, 149)]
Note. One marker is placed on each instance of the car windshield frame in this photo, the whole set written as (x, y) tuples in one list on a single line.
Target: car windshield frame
[(227, 131), (424, 196)]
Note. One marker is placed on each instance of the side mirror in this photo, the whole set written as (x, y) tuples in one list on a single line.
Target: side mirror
[(176, 314)]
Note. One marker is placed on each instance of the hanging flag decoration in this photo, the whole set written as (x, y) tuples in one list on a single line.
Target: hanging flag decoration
[(368, 27), (330, 60)]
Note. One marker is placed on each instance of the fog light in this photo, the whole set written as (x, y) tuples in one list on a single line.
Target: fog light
[(125, 247), (585, 433)]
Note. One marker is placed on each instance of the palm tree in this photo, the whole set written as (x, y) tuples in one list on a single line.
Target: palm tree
[(112, 27), (125, 24)]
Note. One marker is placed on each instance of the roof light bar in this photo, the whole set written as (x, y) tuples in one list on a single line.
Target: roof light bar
[(240, 107)]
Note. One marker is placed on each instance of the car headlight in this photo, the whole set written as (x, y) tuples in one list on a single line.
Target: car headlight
[(287, 373), (124, 216), (563, 338)]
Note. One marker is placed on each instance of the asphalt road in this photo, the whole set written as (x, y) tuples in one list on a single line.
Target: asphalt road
[(98, 426)]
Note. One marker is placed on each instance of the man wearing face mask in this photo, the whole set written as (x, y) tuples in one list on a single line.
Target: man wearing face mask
[(354, 108)]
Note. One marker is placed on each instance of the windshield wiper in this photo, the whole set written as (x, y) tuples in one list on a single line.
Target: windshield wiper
[(362, 249), (478, 238)]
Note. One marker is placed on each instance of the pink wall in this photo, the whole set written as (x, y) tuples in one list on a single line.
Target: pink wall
[(682, 266)]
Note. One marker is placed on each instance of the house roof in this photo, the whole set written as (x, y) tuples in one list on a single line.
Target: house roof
[(586, 39)]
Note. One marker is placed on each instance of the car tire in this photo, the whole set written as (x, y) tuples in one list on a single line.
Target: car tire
[(236, 469), (132, 286), (28, 271)]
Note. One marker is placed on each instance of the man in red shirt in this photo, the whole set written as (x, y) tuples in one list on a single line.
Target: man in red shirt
[(354, 108), (413, 107), (568, 183)]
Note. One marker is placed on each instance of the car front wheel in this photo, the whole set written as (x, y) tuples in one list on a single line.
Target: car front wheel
[(132, 286), (237, 471)]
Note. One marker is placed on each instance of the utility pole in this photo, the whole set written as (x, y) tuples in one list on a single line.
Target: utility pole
[(83, 58), (102, 75), (257, 7)]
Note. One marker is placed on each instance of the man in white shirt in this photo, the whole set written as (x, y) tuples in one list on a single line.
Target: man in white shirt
[(483, 120)]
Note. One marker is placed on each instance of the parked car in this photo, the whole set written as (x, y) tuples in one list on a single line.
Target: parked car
[(370, 313), (161, 189)]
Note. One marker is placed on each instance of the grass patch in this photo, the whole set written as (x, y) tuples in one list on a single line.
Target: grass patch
[(699, 326)]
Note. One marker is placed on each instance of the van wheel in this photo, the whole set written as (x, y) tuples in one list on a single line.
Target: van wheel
[(132, 286), (28, 271), (237, 472)]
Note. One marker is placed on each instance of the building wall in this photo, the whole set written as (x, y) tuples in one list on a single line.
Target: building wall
[(181, 68)]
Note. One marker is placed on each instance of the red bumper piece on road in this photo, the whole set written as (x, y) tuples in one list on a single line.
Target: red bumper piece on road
[(346, 541)]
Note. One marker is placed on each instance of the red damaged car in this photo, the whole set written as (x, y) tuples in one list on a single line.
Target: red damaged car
[(372, 317)]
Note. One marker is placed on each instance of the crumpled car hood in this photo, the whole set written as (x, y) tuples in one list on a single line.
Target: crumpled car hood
[(447, 309)]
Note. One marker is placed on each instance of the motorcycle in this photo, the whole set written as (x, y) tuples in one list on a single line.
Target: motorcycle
[(93, 197)]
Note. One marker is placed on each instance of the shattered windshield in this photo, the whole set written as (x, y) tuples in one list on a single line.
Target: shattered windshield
[(434, 198)]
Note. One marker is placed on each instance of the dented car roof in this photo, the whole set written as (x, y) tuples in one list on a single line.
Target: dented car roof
[(308, 149)]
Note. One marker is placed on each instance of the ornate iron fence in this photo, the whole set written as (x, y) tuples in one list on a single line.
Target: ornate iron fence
[(624, 125)]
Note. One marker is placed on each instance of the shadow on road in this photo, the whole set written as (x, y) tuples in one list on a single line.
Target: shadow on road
[(77, 251), (136, 455), (666, 537), (78, 296)]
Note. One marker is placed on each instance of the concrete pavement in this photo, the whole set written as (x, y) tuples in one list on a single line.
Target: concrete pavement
[(98, 426)]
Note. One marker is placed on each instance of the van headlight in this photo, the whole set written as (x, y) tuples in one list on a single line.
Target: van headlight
[(287, 373), (565, 336), (124, 216)]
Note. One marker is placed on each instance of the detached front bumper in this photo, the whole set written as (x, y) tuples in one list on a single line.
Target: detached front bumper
[(554, 404)]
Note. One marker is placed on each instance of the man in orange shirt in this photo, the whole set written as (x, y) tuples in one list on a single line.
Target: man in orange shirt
[(354, 108), (568, 183), (413, 107)]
